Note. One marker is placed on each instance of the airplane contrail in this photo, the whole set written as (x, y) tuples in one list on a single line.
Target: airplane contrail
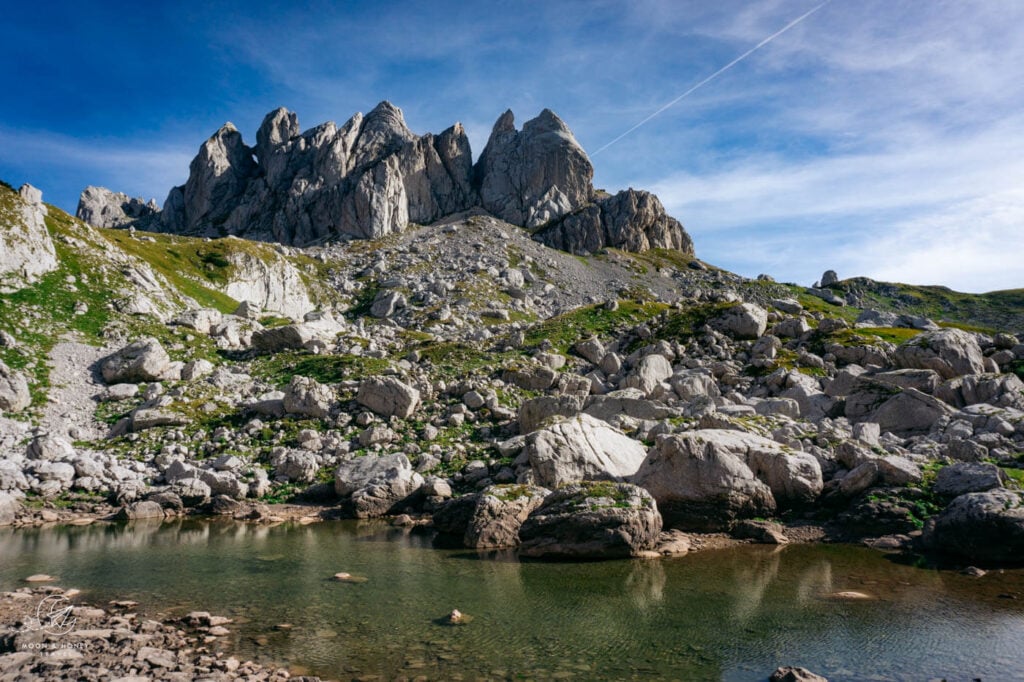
[(717, 73)]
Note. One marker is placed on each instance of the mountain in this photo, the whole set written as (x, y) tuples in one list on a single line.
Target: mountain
[(373, 177), (467, 374)]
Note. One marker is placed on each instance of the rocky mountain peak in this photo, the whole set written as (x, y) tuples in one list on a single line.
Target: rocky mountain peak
[(373, 176), (506, 123), (546, 121), (103, 208), (382, 132), (278, 127), (532, 177)]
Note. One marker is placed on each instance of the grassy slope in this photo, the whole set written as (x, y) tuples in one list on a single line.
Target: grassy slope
[(994, 311), (40, 315)]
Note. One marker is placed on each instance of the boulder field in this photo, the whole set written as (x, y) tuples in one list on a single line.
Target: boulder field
[(497, 349)]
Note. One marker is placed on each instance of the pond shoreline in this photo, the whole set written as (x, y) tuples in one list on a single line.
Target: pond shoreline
[(54, 633), (674, 543), (257, 573)]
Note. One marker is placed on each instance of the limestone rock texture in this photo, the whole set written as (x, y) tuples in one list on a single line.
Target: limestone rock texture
[(101, 207), (372, 177), (536, 175), (577, 449), (592, 521), (705, 479), (366, 179), (26, 249)]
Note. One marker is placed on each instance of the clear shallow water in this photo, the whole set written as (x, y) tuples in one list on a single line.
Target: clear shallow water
[(725, 615)]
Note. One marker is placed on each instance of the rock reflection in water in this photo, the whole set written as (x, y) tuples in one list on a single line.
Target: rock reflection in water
[(731, 614)]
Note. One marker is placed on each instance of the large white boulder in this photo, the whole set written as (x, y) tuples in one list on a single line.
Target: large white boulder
[(388, 396), (744, 321), (141, 361), (950, 352), (707, 478), (579, 448)]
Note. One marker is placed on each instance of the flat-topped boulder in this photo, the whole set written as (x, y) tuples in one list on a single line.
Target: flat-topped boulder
[(592, 520)]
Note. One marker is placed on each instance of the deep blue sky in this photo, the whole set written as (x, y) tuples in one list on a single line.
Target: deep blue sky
[(878, 137)]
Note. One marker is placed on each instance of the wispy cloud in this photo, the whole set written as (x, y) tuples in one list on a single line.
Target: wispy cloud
[(970, 246), (124, 166), (853, 141)]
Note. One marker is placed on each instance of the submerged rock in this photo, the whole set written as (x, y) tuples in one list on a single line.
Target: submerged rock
[(790, 673)]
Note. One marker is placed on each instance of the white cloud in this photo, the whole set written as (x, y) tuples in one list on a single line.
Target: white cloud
[(123, 166), (973, 246)]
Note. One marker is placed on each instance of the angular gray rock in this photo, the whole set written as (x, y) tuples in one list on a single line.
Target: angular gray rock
[(357, 473), (707, 478), (592, 521), (286, 337), (388, 396), (268, 282), (968, 477), (950, 352), (533, 176), (141, 361), (906, 411), (744, 321), (15, 395), (381, 493), (374, 484), (308, 397), (497, 514), (632, 220), (983, 527), (192, 491), (9, 507), (28, 252), (577, 449), (103, 208), (1004, 390), (137, 511), (650, 371), (295, 465)]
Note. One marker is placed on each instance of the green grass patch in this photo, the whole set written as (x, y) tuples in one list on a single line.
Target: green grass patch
[(993, 311), (452, 359), (327, 369), (595, 320), (197, 268)]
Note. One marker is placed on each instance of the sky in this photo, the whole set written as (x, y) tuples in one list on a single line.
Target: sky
[(878, 138)]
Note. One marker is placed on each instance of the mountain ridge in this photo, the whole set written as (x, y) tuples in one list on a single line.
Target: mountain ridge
[(372, 177)]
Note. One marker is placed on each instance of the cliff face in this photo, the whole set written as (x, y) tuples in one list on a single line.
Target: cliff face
[(372, 177), (366, 179), (26, 250)]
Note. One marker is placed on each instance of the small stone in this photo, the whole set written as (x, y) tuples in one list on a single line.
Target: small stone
[(348, 578), (40, 578), (848, 595)]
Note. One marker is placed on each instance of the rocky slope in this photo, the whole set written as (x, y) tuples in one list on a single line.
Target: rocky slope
[(373, 177), (518, 395)]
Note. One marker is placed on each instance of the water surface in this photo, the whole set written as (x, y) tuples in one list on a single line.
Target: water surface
[(724, 615)]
